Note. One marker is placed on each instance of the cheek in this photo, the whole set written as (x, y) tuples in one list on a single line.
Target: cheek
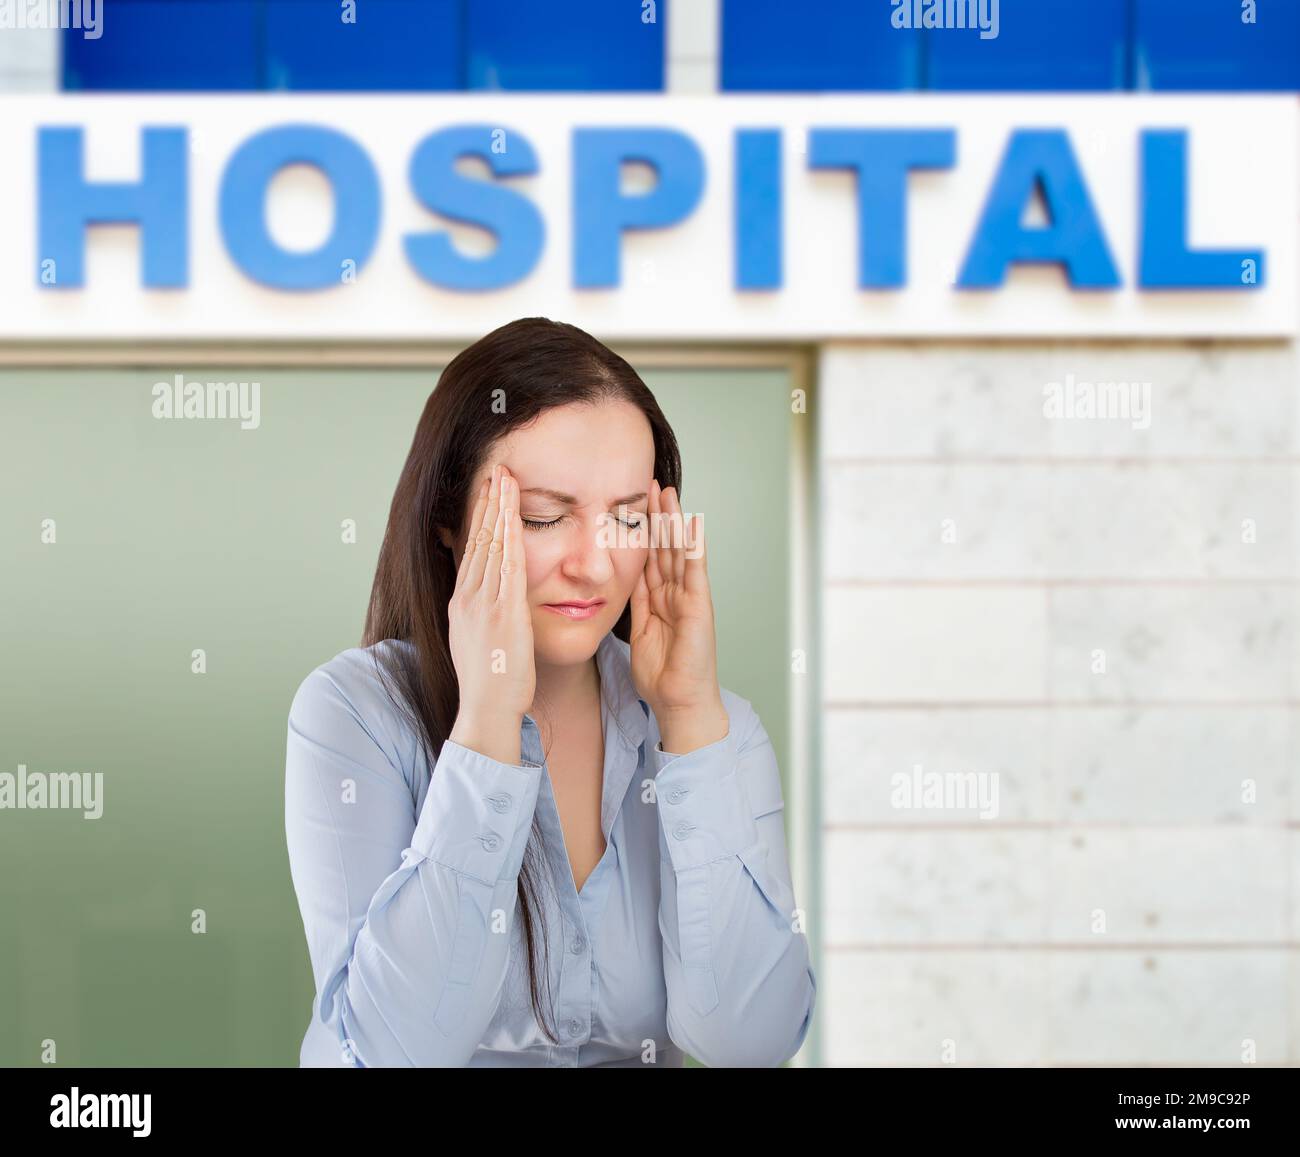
[(628, 564), (543, 556)]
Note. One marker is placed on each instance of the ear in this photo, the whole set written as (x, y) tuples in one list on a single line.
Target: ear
[(445, 537)]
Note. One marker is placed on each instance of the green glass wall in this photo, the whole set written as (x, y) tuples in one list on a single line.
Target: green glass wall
[(183, 535)]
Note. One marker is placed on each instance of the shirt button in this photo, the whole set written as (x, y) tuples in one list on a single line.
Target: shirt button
[(682, 830), (577, 945), (574, 1027), (500, 802), (491, 843), (678, 794)]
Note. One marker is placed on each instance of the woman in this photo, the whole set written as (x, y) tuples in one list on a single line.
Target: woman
[(594, 872)]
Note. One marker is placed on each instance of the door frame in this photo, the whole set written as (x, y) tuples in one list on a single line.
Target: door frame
[(798, 360)]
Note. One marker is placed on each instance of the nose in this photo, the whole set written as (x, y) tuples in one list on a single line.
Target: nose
[(587, 560)]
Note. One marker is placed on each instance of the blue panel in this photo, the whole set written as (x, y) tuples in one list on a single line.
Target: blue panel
[(1044, 45), (1197, 45), (573, 45), (815, 46), (392, 45), (162, 44)]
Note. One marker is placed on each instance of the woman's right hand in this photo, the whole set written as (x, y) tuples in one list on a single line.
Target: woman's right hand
[(490, 627)]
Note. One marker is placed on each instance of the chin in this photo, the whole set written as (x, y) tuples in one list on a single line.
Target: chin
[(560, 644)]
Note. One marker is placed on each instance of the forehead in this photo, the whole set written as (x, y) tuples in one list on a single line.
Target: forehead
[(593, 452)]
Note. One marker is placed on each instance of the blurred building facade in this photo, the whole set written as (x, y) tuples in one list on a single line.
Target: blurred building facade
[(1091, 619)]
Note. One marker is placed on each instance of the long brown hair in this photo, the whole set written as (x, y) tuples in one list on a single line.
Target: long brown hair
[(503, 381)]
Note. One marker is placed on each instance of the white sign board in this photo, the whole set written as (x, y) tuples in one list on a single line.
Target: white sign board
[(647, 217)]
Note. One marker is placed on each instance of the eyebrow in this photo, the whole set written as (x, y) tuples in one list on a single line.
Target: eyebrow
[(569, 500)]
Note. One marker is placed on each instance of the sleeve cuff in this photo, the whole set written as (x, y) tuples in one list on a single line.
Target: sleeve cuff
[(477, 814), (703, 810)]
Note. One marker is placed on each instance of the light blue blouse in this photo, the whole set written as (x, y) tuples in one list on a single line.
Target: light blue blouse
[(685, 937)]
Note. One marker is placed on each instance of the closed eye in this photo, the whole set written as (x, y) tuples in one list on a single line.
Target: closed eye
[(633, 521), (536, 524), (540, 524)]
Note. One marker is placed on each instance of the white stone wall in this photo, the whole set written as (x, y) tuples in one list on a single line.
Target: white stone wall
[(1120, 794)]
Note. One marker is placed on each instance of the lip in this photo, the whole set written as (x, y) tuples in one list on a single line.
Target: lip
[(577, 609)]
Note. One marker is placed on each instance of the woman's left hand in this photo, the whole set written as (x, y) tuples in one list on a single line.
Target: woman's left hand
[(674, 652)]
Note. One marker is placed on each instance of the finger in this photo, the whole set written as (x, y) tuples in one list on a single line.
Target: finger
[(475, 520), (496, 548), (483, 535), (679, 535), (494, 497), (492, 572), (514, 578), (654, 577), (665, 537), (696, 576)]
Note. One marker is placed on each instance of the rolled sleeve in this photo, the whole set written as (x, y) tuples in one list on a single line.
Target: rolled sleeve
[(477, 814), (702, 806)]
